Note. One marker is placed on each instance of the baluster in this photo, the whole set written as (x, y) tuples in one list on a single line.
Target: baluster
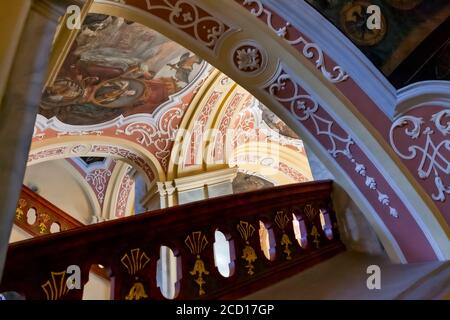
[(300, 228), (168, 271), (196, 264), (132, 273), (247, 247), (267, 239), (284, 234)]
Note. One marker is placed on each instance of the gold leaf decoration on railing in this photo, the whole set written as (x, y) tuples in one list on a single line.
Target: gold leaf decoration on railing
[(316, 236), (137, 292), (248, 253), (137, 261), (19, 210), (310, 212), (197, 242), (44, 219), (282, 221), (56, 287)]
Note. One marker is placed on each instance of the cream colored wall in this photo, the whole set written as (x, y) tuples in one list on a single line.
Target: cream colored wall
[(18, 234), (97, 288), (61, 187)]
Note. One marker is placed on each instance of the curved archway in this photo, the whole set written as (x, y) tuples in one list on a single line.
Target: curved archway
[(275, 162), (320, 101), (67, 147)]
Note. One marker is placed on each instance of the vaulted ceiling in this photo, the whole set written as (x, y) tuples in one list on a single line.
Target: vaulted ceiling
[(396, 48), (124, 85)]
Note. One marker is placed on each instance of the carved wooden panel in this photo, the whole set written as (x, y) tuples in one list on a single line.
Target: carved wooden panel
[(130, 247)]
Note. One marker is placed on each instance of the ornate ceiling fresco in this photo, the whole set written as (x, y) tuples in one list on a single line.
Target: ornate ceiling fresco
[(276, 123), (353, 119), (125, 81), (405, 24), (117, 67)]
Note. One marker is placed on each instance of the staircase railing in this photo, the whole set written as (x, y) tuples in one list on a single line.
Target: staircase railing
[(299, 222), (38, 216)]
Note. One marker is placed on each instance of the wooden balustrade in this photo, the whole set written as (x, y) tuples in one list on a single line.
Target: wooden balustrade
[(38, 216), (130, 247)]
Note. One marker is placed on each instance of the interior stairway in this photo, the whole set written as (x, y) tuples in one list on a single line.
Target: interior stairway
[(344, 277)]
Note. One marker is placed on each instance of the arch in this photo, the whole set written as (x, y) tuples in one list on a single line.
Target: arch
[(185, 157), (113, 193), (82, 181), (306, 89), (86, 188), (288, 166), (100, 146)]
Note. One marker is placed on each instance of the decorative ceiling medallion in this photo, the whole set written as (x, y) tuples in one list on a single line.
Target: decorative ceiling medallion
[(404, 4), (249, 57), (354, 18)]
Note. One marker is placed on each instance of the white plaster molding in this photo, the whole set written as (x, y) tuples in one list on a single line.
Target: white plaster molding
[(249, 57), (423, 93), (120, 174), (434, 156), (96, 165), (340, 176), (112, 189), (335, 44), (310, 50), (155, 189), (403, 188), (205, 178), (215, 35)]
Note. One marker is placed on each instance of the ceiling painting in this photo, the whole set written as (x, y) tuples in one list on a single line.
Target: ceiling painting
[(117, 67), (405, 24)]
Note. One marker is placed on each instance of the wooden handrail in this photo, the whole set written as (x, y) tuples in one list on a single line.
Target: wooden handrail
[(130, 247), (45, 214)]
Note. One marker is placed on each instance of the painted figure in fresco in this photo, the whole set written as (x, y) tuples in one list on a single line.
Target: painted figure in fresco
[(113, 90), (276, 123), (185, 66), (117, 67)]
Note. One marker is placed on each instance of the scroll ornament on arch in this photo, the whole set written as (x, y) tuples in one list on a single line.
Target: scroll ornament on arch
[(433, 152)]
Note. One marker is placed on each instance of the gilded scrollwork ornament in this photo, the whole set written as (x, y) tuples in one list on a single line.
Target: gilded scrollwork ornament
[(315, 233), (248, 253), (197, 242), (57, 286), (134, 261), (137, 292), (282, 221), (19, 210)]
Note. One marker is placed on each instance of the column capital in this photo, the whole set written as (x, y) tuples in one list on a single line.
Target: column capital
[(206, 179)]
